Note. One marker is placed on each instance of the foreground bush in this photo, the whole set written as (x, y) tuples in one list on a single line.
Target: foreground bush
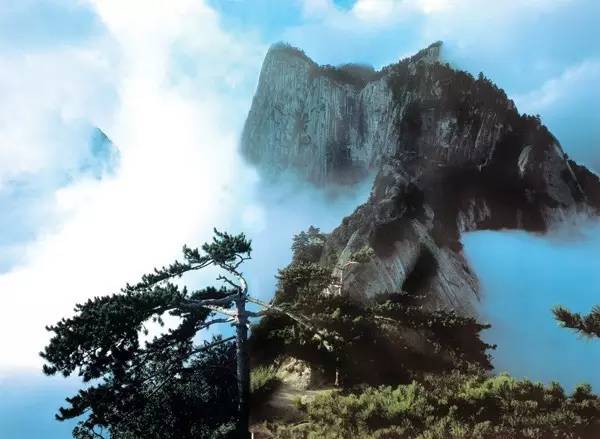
[(452, 406)]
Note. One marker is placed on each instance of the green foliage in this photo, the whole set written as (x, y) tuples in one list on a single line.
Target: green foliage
[(389, 340), (199, 402), (227, 249), (161, 388), (307, 246), (102, 336), (588, 325), (364, 255), (453, 406), (357, 75), (352, 74), (291, 50), (303, 280)]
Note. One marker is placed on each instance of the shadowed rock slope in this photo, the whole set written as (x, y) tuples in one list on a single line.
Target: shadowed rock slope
[(451, 154)]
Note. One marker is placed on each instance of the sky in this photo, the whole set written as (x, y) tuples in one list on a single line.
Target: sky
[(170, 84)]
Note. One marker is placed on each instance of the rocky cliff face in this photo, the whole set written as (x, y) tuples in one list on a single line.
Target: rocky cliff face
[(451, 153)]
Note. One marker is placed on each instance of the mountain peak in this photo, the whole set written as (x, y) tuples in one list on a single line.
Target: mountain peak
[(429, 55), (451, 153)]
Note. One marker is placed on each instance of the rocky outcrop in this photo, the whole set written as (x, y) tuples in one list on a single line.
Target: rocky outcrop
[(451, 154)]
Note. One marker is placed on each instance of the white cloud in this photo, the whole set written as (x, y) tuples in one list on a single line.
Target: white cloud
[(493, 26), (578, 79), (179, 174), (318, 8), (464, 22), (384, 11), (394, 10), (47, 99)]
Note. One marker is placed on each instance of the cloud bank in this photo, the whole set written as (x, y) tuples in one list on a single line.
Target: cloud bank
[(172, 102), (179, 172), (171, 84)]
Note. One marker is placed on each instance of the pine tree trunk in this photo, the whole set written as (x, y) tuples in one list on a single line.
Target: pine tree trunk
[(243, 369)]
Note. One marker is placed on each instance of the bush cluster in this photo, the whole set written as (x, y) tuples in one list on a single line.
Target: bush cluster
[(391, 339), (452, 406)]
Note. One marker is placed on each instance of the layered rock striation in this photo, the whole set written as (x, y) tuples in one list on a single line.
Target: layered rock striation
[(451, 153)]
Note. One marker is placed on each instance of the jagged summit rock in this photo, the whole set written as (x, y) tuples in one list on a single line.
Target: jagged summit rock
[(451, 153), (332, 124)]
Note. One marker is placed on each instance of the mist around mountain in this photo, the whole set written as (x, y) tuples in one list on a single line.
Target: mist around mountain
[(401, 348), (377, 329), (171, 83)]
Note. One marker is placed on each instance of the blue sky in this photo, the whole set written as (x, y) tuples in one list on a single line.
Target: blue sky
[(523, 276), (171, 82)]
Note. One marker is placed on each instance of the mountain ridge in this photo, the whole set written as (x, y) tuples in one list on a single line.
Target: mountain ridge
[(451, 152)]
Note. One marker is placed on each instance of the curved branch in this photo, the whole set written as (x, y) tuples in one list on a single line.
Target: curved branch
[(205, 303), (212, 345), (214, 322), (230, 282), (320, 335), (220, 310), (242, 287)]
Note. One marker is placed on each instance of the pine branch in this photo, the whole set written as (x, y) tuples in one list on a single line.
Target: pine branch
[(174, 363), (588, 325), (206, 303), (175, 270), (212, 345), (230, 282), (318, 334)]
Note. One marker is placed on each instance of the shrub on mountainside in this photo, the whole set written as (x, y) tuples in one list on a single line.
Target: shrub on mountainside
[(453, 406), (391, 339), (308, 246)]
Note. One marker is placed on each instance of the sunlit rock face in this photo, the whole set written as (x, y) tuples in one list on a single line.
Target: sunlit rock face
[(451, 154)]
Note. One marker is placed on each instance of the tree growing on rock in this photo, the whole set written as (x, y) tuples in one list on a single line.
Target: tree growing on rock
[(308, 246), (388, 339)]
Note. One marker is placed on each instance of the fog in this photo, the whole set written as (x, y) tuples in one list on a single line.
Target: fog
[(174, 101)]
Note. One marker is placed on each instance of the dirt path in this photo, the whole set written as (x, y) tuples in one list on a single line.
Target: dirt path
[(282, 407)]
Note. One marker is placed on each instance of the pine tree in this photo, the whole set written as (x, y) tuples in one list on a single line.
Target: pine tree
[(364, 341), (101, 342), (588, 325)]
